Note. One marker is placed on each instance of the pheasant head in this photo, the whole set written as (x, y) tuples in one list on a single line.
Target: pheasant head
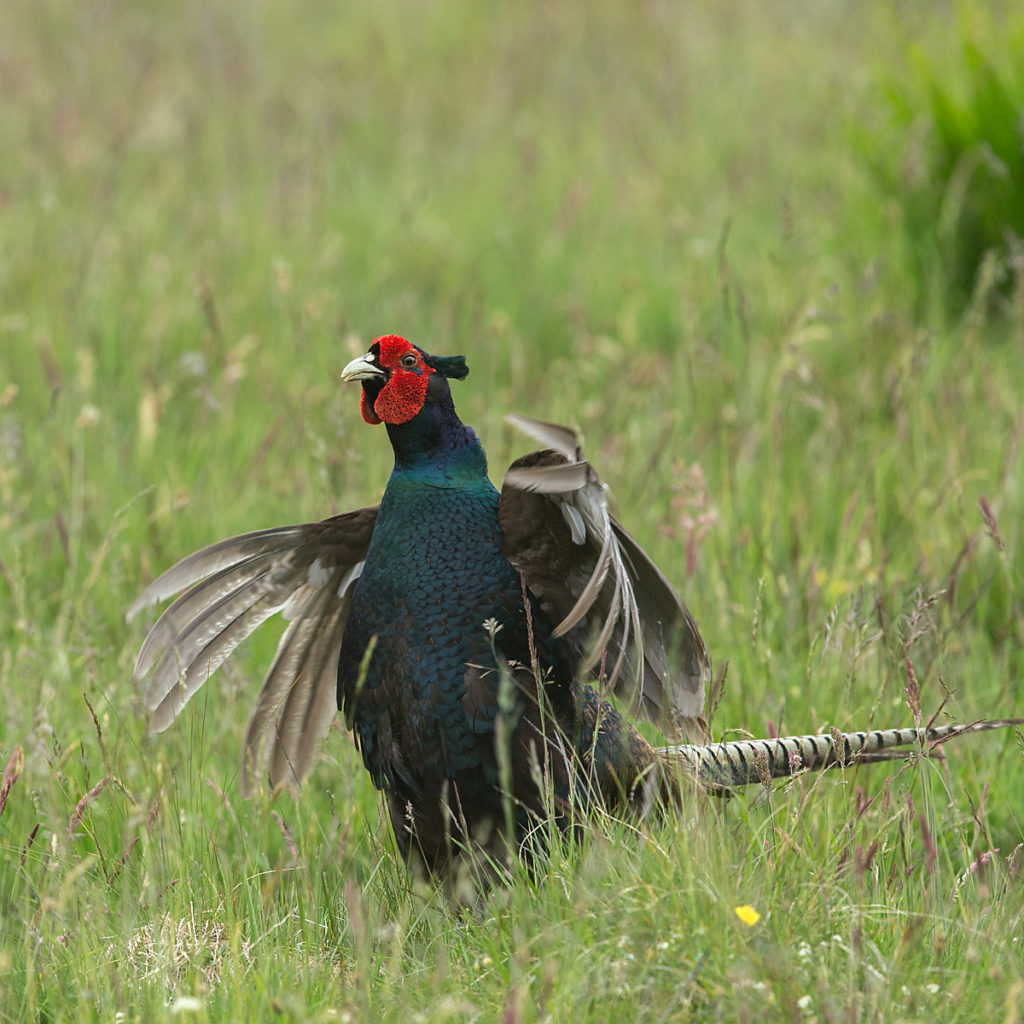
[(399, 379)]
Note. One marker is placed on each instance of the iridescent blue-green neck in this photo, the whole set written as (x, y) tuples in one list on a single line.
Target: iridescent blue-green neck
[(435, 444)]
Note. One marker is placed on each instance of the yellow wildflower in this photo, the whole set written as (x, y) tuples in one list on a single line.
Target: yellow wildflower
[(748, 915)]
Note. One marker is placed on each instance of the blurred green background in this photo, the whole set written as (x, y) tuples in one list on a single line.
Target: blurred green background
[(766, 257)]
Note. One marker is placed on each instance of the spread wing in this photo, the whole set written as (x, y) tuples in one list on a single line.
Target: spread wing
[(608, 598), (307, 572)]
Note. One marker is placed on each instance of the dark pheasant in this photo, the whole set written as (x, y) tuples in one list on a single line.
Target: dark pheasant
[(469, 637)]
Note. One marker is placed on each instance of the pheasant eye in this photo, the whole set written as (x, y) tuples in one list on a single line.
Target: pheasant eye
[(409, 361)]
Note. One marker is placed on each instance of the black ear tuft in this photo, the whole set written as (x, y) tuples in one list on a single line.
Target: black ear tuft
[(453, 367)]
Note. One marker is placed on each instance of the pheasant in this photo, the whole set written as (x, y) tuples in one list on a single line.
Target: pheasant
[(470, 638)]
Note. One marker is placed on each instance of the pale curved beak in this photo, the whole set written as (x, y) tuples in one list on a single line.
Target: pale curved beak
[(362, 368)]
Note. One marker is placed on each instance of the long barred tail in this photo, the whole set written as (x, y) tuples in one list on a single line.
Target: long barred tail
[(724, 766)]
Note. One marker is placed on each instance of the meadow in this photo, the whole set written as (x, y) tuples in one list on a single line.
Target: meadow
[(659, 224)]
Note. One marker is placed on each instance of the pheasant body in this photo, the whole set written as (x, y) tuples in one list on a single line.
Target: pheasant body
[(448, 622), (425, 705)]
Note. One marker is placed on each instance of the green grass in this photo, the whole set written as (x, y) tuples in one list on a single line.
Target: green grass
[(647, 224), (956, 183)]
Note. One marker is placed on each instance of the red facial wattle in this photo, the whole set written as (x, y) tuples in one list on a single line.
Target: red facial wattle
[(403, 395), (366, 408)]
